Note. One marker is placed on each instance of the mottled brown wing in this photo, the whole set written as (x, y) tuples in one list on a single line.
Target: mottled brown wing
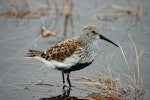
[(63, 49), (33, 53)]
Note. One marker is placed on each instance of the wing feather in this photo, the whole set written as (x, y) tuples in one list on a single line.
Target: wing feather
[(64, 49)]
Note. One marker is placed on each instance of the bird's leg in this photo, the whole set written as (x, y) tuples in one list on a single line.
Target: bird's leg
[(66, 90), (68, 79), (63, 77)]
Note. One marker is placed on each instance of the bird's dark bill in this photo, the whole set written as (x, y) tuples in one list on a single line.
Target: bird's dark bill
[(104, 38)]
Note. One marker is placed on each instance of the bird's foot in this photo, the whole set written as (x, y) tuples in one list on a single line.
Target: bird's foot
[(69, 87)]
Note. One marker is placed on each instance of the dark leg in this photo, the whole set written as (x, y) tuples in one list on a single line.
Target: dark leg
[(66, 90), (63, 77), (68, 79)]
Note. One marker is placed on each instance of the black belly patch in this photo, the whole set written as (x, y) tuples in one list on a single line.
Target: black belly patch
[(75, 67)]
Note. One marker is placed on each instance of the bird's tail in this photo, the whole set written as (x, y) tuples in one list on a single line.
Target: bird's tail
[(33, 53)]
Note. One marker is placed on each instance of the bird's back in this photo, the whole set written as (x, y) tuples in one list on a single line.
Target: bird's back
[(58, 52), (64, 49)]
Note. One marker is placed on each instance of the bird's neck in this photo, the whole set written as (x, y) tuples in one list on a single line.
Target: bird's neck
[(90, 48), (89, 44), (86, 41)]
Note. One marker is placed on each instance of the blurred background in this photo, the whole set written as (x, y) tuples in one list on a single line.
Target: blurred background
[(38, 24)]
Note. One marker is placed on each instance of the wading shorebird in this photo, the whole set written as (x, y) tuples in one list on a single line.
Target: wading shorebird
[(72, 54)]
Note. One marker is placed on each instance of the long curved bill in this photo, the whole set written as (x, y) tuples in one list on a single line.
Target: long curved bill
[(104, 38)]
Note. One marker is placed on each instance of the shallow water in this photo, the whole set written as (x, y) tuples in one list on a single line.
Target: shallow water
[(20, 78)]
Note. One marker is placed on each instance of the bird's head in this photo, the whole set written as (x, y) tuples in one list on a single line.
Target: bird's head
[(93, 33)]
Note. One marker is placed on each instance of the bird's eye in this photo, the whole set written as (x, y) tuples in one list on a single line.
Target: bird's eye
[(94, 32)]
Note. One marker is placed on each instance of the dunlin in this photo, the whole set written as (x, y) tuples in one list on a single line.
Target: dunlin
[(72, 54)]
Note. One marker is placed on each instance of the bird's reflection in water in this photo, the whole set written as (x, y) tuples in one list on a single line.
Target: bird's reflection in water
[(64, 96)]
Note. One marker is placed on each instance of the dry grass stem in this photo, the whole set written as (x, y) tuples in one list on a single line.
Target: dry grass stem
[(125, 59), (137, 59), (136, 77), (21, 11), (45, 33), (119, 11), (68, 12), (68, 15)]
